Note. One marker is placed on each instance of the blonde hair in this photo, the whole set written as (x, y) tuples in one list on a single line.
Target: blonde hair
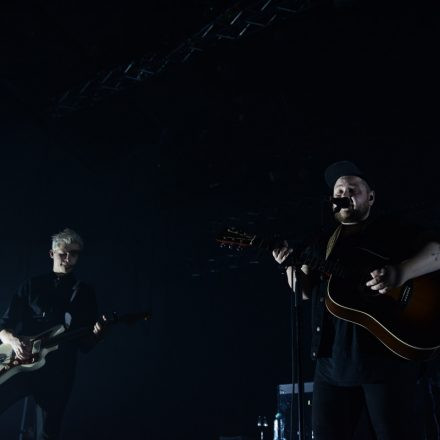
[(66, 236)]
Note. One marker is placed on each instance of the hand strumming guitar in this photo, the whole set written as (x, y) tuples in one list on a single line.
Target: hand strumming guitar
[(427, 260), (385, 279), (21, 346)]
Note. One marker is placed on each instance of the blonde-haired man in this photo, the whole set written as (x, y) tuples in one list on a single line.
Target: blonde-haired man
[(41, 303)]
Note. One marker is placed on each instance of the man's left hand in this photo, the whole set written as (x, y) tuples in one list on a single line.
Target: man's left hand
[(385, 279), (98, 328)]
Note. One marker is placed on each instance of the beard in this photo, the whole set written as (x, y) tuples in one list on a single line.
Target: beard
[(353, 215)]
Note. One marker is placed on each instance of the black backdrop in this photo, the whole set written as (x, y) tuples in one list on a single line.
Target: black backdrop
[(240, 135)]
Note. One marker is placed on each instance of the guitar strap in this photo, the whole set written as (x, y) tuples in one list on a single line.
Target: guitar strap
[(67, 315), (335, 236), (75, 290), (332, 241)]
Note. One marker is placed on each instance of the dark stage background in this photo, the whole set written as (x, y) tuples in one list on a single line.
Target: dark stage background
[(238, 135)]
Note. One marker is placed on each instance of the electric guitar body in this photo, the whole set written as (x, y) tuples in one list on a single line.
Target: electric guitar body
[(10, 365), (48, 341)]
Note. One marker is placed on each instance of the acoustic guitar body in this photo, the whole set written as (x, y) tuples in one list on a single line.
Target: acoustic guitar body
[(405, 319)]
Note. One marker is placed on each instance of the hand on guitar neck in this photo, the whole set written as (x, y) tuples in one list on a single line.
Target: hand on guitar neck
[(100, 326), (281, 255)]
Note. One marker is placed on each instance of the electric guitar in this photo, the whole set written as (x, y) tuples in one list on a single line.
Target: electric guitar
[(50, 340), (406, 319)]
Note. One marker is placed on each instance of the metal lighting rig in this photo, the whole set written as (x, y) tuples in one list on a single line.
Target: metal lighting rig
[(232, 24)]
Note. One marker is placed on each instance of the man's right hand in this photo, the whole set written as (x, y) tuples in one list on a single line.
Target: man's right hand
[(281, 254), (21, 346)]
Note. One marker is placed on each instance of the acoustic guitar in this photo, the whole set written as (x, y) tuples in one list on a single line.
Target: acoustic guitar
[(405, 319)]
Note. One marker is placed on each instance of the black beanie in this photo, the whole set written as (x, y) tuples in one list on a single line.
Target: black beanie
[(339, 169)]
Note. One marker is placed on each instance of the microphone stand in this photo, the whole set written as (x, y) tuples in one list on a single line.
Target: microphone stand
[(22, 433), (296, 327), (297, 364)]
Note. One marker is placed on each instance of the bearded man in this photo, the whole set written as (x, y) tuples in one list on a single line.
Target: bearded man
[(354, 369)]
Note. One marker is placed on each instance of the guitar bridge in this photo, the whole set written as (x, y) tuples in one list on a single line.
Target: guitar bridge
[(406, 293)]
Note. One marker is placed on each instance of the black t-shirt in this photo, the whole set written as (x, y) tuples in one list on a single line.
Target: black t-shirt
[(347, 354)]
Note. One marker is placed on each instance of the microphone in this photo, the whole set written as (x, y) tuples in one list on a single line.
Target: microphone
[(340, 202)]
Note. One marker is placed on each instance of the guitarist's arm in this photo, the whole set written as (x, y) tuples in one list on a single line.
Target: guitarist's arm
[(305, 281), (87, 315), (427, 260), (11, 319), (281, 255)]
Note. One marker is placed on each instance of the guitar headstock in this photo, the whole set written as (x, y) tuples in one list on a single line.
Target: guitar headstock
[(235, 239)]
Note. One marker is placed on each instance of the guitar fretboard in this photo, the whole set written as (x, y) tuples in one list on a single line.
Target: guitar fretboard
[(85, 331), (329, 266)]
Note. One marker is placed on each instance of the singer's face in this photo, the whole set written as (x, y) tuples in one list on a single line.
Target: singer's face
[(360, 195)]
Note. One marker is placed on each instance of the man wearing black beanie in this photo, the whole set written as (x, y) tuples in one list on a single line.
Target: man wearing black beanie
[(361, 361)]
